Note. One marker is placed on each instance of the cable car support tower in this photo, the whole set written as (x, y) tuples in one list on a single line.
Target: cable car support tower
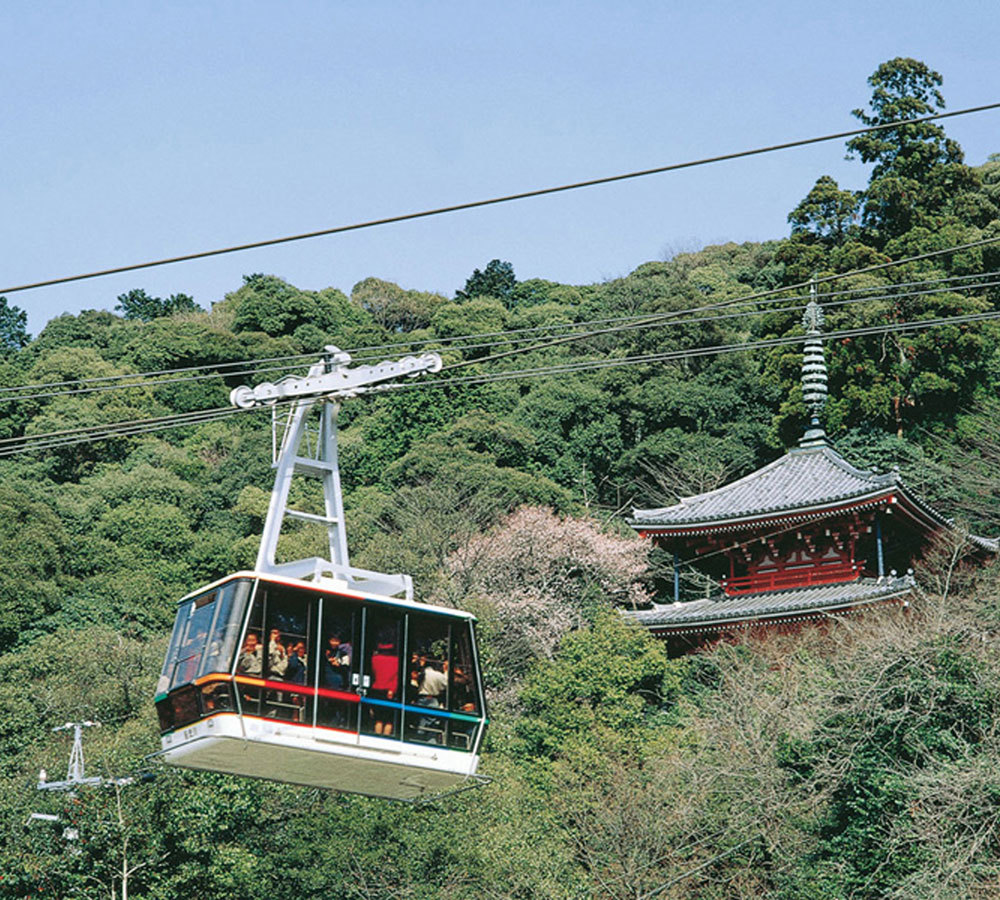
[(327, 382)]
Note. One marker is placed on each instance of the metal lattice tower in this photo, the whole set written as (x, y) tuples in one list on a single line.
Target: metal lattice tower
[(75, 775)]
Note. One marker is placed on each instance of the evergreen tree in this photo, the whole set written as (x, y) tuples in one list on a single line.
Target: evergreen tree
[(827, 211), (916, 166), (138, 305), (13, 327), (497, 280)]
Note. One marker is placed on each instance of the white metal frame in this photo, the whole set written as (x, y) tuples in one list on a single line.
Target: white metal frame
[(328, 381)]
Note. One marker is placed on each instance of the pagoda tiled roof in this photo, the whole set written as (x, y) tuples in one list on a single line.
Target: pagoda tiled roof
[(723, 612), (803, 480)]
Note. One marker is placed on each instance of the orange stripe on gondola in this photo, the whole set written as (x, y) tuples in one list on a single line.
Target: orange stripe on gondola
[(270, 685)]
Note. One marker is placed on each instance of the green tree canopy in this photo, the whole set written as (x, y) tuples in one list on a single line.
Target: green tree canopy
[(826, 211), (267, 303), (394, 308), (912, 162), (13, 327), (497, 280), (138, 305)]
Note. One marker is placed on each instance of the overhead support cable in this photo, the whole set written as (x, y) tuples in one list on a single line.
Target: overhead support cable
[(85, 429), (646, 316), (136, 427), (695, 352), (124, 381), (641, 323), (86, 434), (492, 201), (725, 304), (97, 379)]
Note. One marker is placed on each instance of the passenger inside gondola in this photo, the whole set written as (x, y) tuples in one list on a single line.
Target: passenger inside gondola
[(251, 657), (277, 656), (216, 697), (465, 691), (432, 683), (336, 663), (385, 680)]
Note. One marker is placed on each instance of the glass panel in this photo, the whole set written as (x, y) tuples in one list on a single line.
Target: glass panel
[(194, 639), (339, 637), (183, 612), (231, 606), (461, 734), (216, 696), (383, 642), (427, 684), (288, 616), (250, 661), (464, 678), (165, 712), (339, 629), (185, 707), (425, 728)]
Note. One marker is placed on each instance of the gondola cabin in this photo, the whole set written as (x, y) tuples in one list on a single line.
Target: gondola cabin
[(315, 684)]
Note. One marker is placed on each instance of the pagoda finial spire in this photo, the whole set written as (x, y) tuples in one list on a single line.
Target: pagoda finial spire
[(814, 386)]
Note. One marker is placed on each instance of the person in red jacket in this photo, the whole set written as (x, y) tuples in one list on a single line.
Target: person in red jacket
[(385, 682)]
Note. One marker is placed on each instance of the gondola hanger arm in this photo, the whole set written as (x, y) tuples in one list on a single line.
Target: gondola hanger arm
[(333, 379)]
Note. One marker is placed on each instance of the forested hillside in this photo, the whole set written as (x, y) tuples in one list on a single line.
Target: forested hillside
[(857, 761)]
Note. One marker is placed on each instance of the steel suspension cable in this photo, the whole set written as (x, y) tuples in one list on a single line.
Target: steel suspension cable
[(11, 446), (736, 301), (492, 201), (308, 358), (644, 316), (690, 353), (629, 323)]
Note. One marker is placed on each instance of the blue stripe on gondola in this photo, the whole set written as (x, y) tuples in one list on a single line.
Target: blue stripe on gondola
[(423, 710)]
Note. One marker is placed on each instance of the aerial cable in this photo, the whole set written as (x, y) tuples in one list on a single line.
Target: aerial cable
[(82, 429), (400, 346), (630, 323), (689, 353), (448, 344), (723, 304), (134, 428), (507, 198), (644, 316), (405, 346), (643, 322), (185, 379), (102, 378), (635, 324), (640, 323), (84, 434)]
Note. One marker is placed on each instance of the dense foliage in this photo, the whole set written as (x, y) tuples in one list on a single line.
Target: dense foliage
[(856, 762)]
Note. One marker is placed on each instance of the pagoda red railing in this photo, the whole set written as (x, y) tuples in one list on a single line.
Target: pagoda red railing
[(786, 579)]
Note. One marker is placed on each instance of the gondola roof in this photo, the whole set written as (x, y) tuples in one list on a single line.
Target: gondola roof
[(329, 585)]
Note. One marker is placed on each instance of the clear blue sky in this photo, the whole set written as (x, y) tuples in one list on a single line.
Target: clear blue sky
[(138, 130)]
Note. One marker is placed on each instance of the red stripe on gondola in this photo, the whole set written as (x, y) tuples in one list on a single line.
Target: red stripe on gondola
[(270, 685)]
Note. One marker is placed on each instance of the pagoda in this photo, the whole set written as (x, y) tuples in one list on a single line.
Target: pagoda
[(806, 537)]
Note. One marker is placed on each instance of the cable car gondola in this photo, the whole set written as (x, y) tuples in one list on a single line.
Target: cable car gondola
[(315, 672)]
